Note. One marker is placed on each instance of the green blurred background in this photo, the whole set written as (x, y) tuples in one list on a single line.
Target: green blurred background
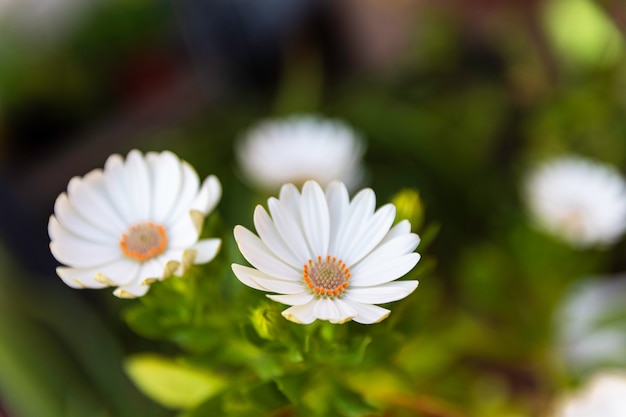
[(454, 98)]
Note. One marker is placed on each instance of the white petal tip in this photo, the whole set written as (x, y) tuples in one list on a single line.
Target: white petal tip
[(79, 284), (123, 294), (382, 317), (206, 250), (170, 268), (342, 321), (198, 219), (103, 279), (411, 288), (294, 318), (189, 256)]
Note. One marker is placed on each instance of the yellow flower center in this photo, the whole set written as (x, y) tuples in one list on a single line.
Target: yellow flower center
[(326, 277), (144, 241)]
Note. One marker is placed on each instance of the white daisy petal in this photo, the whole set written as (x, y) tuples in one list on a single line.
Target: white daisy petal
[(257, 253), (190, 184), (114, 182), (269, 235), (315, 217), (402, 228), (290, 198), (369, 314), (301, 314), (119, 272), (277, 285), (268, 282), (109, 232), (215, 193), (359, 212), (346, 311), (338, 204), (375, 230), (167, 181), (206, 250), (151, 270), (244, 274), (132, 290), (292, 299), (366, 274), (210, 193), (82, 253), (138, 185), (79, 277), (326, 309), (398, 246), (183, 233), (384, 293), (55, 229), (288, 225), (87, 198), (69, 220)]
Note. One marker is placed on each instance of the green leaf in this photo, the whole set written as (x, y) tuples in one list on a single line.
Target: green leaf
[(266, 320), (351, 404), (256, 399), (293, 386), (211, 407), (582, 32), (171, 383)]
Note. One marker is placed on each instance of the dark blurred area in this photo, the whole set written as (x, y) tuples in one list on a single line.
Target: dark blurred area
[(121, 71), (101, 78)]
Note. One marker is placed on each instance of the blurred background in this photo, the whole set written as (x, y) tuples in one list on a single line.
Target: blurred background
[(455, 98)]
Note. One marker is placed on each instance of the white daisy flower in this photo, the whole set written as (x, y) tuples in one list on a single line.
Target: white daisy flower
[(327, 257), (590, 331), (133, 223), (581, 201), (299, 148), (604, 396)]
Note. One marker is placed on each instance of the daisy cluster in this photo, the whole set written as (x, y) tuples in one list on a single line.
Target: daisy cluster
[(320, 249), (139, 220)]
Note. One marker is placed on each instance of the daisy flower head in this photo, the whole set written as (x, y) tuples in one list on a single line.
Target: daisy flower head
[(134, 222), (604, 396), (299, 148), (583, 202), (327, 257)]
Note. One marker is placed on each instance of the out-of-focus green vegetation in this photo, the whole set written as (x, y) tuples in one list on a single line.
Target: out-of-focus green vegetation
[(473, 100)]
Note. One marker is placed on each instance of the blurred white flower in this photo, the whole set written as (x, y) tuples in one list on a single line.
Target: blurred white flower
[(580, 201), (45, 21), (326, 257), (604, 396), (133, 223), (591, 324), (299, 148)]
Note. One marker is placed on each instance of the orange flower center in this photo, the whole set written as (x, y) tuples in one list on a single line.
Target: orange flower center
[(326, 277), (144, 241)]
